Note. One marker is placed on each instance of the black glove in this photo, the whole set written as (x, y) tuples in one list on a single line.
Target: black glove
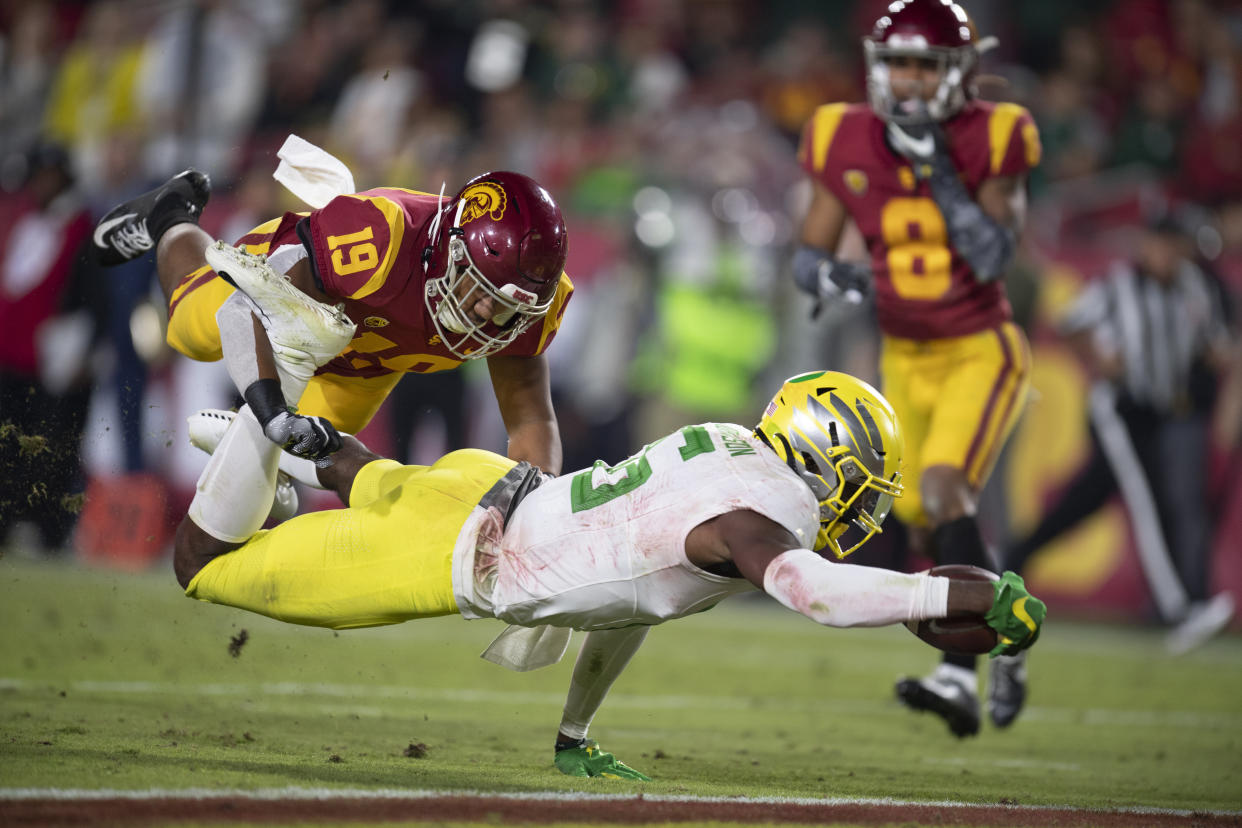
[(826, 279), (312, 438)]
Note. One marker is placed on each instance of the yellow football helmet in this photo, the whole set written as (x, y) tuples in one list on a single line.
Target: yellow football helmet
[(842, 438)]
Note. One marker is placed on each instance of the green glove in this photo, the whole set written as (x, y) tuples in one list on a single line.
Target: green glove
[(589, 760), (1016, 615)]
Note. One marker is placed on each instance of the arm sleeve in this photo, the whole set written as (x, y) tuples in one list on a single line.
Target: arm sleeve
[(603, 656), (1013, 150), (846, 595), (982, 241)]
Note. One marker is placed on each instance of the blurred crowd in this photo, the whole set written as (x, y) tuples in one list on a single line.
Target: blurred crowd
[(666, 130)]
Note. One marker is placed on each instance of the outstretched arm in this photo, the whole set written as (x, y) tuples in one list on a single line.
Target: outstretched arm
[(844, 595), (603, 656), (524, 394)]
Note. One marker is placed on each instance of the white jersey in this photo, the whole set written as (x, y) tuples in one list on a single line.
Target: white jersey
[(605, 547)]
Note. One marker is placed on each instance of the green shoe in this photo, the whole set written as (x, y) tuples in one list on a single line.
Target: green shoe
[(589, 760)]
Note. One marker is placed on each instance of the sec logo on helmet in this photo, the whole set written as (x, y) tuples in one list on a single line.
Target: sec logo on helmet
[(483, 199)]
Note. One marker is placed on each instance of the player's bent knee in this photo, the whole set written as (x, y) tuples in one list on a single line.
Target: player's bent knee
[(181, 249), (193, 549)]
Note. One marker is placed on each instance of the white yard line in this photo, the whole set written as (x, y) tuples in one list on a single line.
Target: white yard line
[(359, 694)]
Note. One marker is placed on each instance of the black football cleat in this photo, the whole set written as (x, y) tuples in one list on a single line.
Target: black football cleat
[(1007, 688), (947, 694), (133, 228)]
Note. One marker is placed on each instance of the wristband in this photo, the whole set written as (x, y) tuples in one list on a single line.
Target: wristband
[(265, 399)]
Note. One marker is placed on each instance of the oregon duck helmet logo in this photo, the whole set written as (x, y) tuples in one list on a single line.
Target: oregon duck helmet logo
[(483, 199), (842, 439)]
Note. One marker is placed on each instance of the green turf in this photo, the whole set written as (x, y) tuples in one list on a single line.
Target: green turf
[(110, 681)]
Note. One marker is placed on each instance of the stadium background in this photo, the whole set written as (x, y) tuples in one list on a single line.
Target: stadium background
[(667, 131)]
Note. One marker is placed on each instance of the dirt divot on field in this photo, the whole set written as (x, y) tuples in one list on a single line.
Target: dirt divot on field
[(327, 807)]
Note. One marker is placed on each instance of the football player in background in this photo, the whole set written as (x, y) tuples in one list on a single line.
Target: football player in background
[(421, 283), (935, 180), (710, 511)]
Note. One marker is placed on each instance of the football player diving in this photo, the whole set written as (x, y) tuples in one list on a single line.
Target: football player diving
[(709, 511), (935, 180), (420, 284)]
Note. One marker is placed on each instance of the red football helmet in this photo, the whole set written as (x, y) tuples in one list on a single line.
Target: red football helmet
[(503, 235), (938, 30)]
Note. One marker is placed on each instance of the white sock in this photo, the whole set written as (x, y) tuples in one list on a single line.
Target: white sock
[(961, 675), (235, 492)]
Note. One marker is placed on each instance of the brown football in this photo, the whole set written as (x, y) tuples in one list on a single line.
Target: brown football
[(964, 635)]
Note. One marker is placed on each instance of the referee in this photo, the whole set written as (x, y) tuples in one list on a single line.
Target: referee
[(1154, 332)]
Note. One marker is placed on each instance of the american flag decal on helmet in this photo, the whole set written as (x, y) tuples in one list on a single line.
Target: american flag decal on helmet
[(770, 410)]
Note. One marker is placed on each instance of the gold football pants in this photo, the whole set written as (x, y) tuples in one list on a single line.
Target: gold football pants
[(956, 400), (387, 558)]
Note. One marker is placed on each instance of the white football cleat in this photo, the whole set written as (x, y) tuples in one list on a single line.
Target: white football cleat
[(1006, 688), (950, 693), (1202, 621), (297, 325), (207, 427)]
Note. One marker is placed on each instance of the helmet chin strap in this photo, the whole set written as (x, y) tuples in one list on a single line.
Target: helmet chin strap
[(445, 315), (435, 225)]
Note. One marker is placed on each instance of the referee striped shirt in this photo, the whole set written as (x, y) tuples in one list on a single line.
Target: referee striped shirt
[(1158, 330)]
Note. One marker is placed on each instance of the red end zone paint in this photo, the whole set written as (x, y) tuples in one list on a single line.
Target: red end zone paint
[(294, 805)]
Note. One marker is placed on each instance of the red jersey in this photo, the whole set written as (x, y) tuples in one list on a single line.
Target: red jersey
[(923, 288), (37, 253), (367, 249)]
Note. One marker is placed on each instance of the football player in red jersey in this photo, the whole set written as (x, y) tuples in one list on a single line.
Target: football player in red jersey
[(426, 284), (936, 182)]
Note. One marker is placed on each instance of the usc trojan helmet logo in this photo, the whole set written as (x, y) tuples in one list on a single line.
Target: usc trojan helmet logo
[(483, 199)]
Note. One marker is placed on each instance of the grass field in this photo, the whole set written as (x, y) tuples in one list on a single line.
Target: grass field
[(117, 682)]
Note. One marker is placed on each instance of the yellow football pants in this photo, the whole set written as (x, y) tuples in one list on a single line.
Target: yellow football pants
[(387, 558), (956, 400)]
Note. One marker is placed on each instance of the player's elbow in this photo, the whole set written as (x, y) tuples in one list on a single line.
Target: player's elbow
[(805, 583), (841, 595), (993, 253)]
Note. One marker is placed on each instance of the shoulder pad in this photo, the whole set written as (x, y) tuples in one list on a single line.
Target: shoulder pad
[(818, 134), (1013, 140)]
